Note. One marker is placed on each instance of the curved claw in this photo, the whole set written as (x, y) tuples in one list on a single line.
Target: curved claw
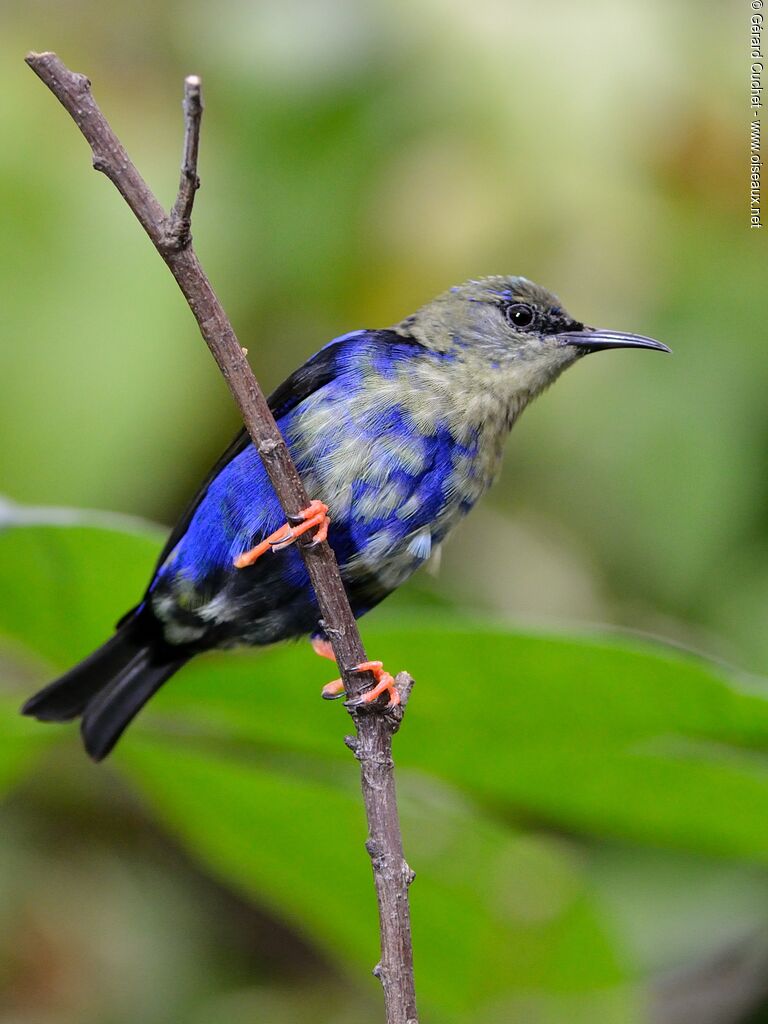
[(332, 691), (385, 683), (314, 515), (285, 536), (321, 533)]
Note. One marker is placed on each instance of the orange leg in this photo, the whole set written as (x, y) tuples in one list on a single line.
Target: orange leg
[(384, 681), (315, 515), (323, 648)]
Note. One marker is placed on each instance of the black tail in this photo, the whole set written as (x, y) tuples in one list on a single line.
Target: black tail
[(108, 689)]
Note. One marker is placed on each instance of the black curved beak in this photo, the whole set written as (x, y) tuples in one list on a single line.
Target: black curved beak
[(594, 339)]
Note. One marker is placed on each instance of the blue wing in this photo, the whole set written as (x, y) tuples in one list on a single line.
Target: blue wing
[(236, 507)]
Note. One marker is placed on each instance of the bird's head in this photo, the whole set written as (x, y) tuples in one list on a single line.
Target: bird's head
[(510, 323)]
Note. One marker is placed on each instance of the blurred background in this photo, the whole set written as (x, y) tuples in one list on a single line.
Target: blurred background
[(356, 159)]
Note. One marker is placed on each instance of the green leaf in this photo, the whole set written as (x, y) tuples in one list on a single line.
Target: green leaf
[(493, 912), (66, 576), (597, 736), (609, 738), (496, 912), (633, 742), (67, 581)]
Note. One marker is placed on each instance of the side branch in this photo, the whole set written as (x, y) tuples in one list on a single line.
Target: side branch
[(178, 233)]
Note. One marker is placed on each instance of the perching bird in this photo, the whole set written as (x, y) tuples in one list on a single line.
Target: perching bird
[(396, 434)]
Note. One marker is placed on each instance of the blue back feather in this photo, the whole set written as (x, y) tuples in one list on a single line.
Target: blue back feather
[(240, 507)]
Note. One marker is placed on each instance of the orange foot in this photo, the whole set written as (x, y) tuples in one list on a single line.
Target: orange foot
[(316, 514), (384, 683)]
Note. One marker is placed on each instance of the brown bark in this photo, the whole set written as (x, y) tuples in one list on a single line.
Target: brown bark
[(170, 234)]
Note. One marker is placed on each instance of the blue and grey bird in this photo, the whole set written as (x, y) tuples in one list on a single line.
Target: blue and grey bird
[(396, 433)]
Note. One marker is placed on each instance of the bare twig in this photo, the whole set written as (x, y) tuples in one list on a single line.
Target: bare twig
[(392, 875), (373, 745), (178, 232)]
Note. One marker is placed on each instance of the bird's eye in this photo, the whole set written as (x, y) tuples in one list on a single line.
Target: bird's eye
[(519, 314)]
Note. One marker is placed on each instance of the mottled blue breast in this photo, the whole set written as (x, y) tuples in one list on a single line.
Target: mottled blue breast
[(380, 442)]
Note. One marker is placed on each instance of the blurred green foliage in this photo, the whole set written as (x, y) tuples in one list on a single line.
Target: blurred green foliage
[(589, 737), (585, 814)]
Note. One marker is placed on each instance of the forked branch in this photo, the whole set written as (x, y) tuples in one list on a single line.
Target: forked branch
[(171, 236)]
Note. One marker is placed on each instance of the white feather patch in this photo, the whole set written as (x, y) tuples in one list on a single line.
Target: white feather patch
[(220, 609), (420, 544)]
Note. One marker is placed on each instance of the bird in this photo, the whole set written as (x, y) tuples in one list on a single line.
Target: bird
[(396, 433)]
